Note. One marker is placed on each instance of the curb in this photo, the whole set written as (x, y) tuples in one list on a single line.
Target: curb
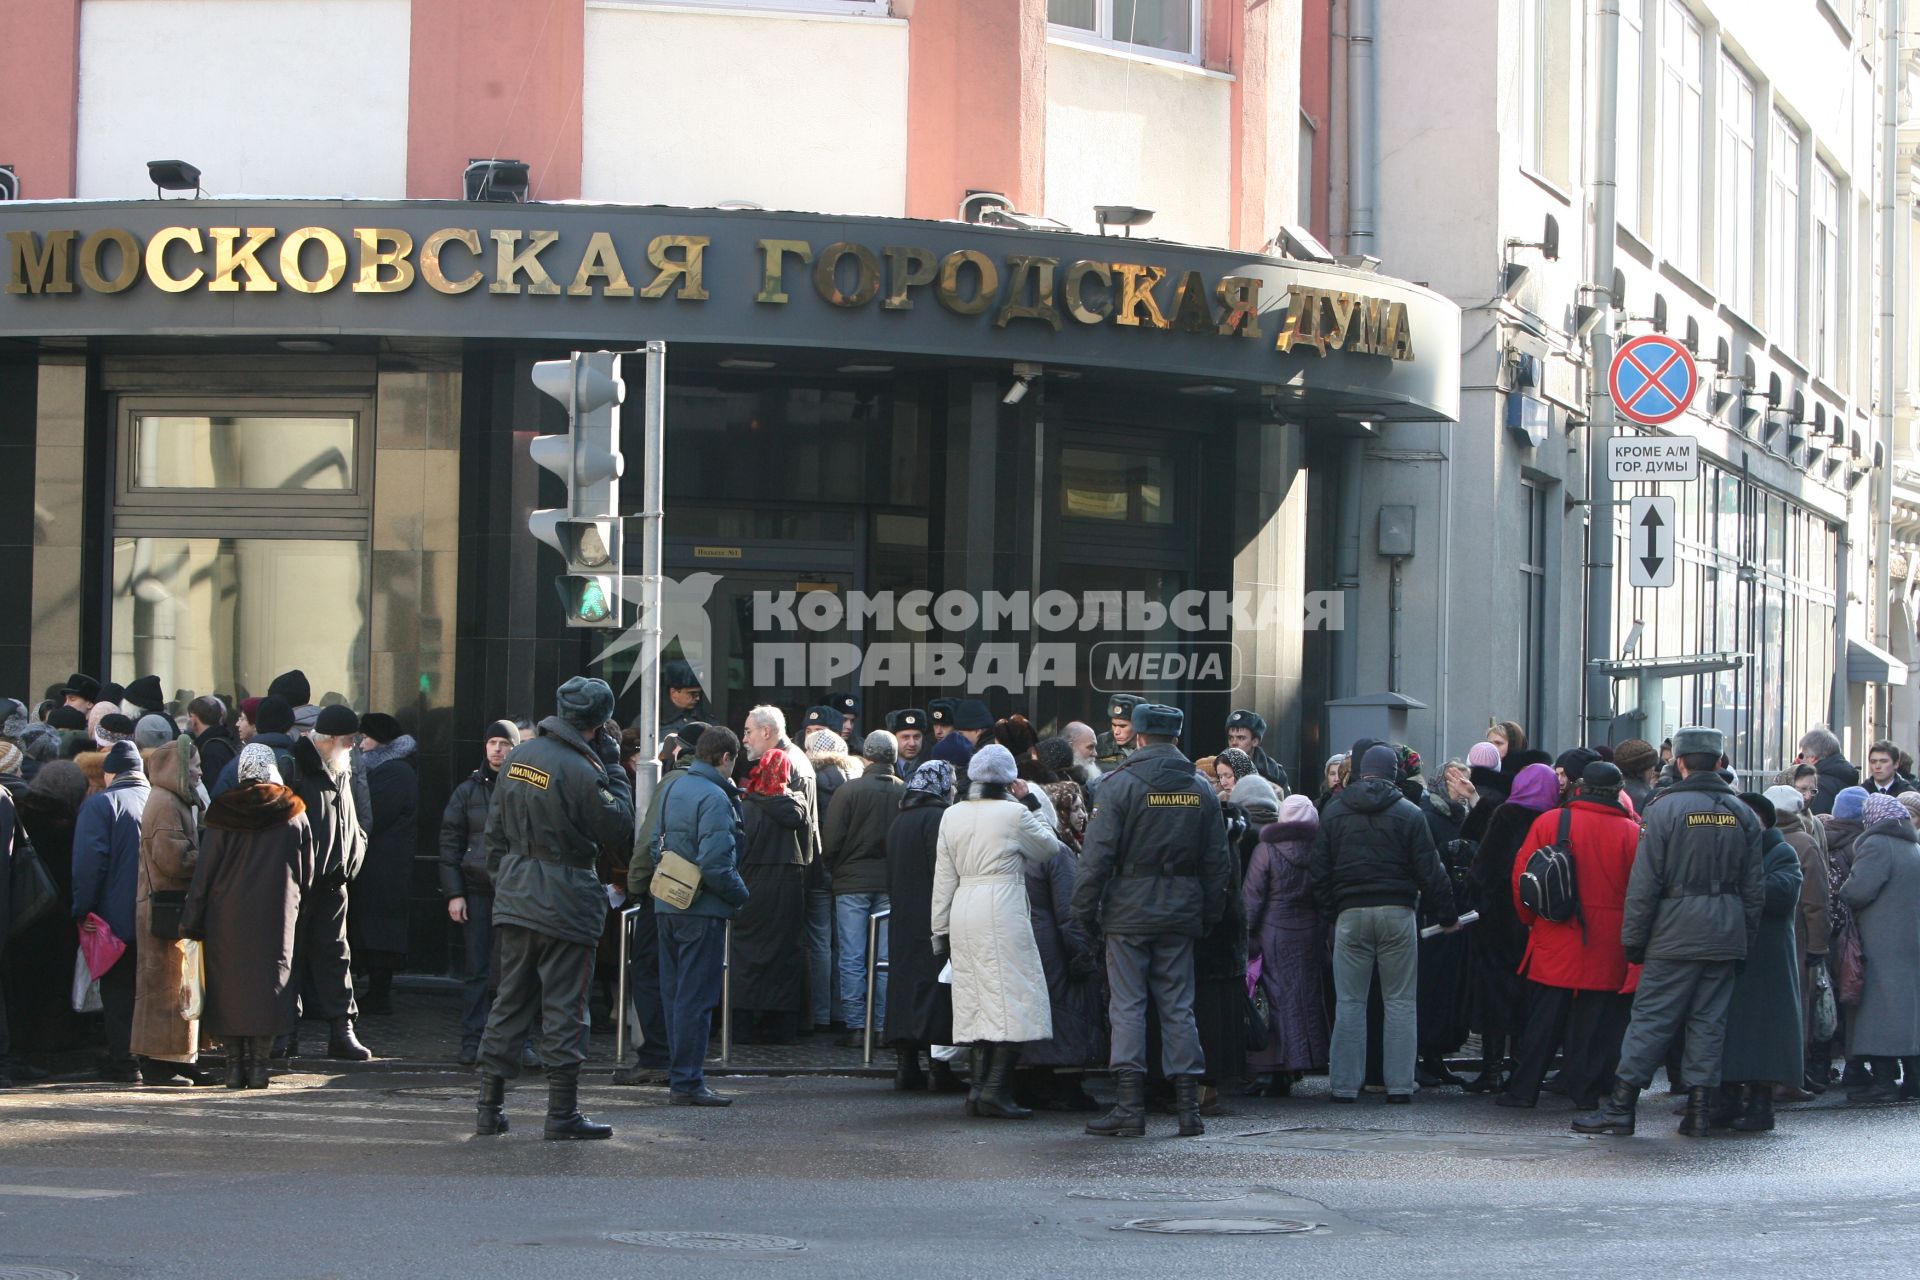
[(421, 1066)]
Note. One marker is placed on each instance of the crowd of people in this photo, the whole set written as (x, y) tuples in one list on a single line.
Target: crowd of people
[(1026, 911)]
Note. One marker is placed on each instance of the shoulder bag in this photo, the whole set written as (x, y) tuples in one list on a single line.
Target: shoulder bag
[(676, 879), (31, 891)]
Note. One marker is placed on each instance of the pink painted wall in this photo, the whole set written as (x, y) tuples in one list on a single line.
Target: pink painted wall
[(976, 103), (39, 94), (495, 77), (1316, 99)]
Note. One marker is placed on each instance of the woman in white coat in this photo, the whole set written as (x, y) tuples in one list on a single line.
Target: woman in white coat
[(980, 916)]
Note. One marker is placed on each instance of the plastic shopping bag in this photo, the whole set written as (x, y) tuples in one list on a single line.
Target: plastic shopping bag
[(86, 987), (101, 949), (193, 979)]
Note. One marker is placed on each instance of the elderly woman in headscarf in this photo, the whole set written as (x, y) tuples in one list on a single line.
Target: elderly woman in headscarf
[(980, 917), (1054, 757), (1500, 940), (1491, 787), (1842, 826), (1883, 893), (1287, 934), (769, 963), (256, 863), (919, 1005), (1812, 923), (167, 1044)]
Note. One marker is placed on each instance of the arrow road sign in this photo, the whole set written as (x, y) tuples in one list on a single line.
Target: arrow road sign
[(1653, 379), (1651, 559)]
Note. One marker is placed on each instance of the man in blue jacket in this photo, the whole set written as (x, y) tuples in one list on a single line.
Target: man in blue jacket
[(699, 820), (106, 872)]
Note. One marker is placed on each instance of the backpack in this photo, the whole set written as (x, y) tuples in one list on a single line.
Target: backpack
[(1547, 885)]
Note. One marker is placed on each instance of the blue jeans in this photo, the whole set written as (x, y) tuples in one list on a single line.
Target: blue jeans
[(1365, 938), (820, 954), (478, 935), (851, 912), (692, 951)]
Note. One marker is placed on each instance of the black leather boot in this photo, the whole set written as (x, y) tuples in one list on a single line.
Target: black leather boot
[(976, 1077), (1698, 1122), (343, 1044), (907, 1076), (1186, 1105), (940, 1078), (379, 1001), (1493, 1053), (564, 1120), (258, 1050), (996, 1095), (1128, 1119), (1757, 1115), (1729, 1106), (1616, 1114), (237, 1053), (492, 1118)]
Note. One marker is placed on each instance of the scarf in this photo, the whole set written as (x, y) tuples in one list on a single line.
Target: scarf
[(935, 777), (770, 774)]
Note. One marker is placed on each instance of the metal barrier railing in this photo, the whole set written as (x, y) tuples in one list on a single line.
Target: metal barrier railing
[(875, 966), (726, 991)]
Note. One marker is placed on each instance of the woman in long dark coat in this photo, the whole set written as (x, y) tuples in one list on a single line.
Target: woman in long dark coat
[(1286, 931), (1075, 992), (256, 863), (39, 964), (919, 1005), (382, 892), (1500, 940), (770, 934), (1883, 892), (1763, 1046), (1445, 1009)]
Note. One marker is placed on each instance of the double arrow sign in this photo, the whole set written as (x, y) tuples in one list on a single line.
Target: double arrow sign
[(1652, 522)]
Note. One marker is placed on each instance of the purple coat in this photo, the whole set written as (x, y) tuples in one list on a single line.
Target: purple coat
[(1285, 930)]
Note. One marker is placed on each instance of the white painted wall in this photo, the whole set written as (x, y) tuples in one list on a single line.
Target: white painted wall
[(788, 111), (267, 97), (1125, 130)]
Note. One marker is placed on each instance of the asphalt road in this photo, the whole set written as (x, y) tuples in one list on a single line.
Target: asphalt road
[(376, 1175)]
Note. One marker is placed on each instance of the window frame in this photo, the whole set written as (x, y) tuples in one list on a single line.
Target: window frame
[(1679, 221), (801, 8), (1102, 37), (1786, 201), (1630, 141), (1736, 202), (1827, 262)]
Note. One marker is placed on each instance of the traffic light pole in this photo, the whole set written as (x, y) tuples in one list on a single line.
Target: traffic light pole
[(652, 519)]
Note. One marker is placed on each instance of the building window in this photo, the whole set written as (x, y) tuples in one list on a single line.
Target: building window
[(1128, 488), (1828, 283), (858, 8), (1680, 122), (1164, 26), (1783, 233), (1533, 590), (1734, 217), (1629, 141), (1305, 196), (1543, 88)]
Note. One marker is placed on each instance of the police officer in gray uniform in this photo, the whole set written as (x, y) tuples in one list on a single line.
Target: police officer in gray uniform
[(560, 796), (1154, 877), (1693, 909)]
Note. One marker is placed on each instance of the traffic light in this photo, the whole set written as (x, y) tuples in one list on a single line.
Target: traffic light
[(587, 531)]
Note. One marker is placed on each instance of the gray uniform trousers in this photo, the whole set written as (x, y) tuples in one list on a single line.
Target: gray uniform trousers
[(544, 977), (1694, 994), (1159, 965)]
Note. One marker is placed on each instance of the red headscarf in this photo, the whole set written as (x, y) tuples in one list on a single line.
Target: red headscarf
[(770, 774)]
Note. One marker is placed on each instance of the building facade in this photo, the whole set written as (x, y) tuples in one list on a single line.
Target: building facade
[(939, 395), (1761, 215)]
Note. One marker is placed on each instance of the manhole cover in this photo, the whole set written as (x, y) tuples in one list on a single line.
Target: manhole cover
[(1218, 1226), (1159, 1195), (36, 1273), (716, 1241)]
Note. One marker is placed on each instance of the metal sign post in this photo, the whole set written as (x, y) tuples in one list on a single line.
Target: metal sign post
[(652, 501)]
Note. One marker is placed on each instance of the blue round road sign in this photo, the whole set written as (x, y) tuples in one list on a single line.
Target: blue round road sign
[(1653, 379)]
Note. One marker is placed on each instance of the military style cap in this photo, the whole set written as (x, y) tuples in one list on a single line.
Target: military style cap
[(821, 717), (911, 718), (1700, 740), (1249, 720), (1159, 720), (940, 710), (1120, 706), (847, 704)]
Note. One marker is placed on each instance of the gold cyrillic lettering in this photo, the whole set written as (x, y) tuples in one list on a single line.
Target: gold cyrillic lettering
[(1042, 308), (1240, 295), (1136, 292), (38, 269), (431, 269), (510, 262), (601, 261), (1398, 338), (987, 287), (157, 272), (1302, 325), (1077, 306), (374, 255), (336, 258), (906, 268), (1191, 312), (227, 260), (686, 268), (773, 261), (826, 274), (90, 273)]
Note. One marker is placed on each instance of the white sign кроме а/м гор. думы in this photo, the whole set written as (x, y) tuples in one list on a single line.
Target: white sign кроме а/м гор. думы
[(1638, 458)]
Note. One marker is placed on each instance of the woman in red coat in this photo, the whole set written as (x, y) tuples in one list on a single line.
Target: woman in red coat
[(1578, 979)]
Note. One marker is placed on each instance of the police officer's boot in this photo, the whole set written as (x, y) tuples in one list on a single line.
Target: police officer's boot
[(564, 1120), (1616, 1114), (493, 1100), (343, 1044), (1698, 1122), (1128, 1119), (1186, 1105), (996, 1096)]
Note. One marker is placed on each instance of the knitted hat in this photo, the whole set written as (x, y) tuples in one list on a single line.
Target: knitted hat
[(250, 708), (1786, 799), (67, 718), (1847, 806), (502, 729), (1879, 807), (292, 686), (992, 763), (1381, 761), (124, 757), (154, 731), (1574, 761), (1635, 756), (1763, 808), (14, 718), (380, 726), (881, 747), (972, 714), (1600, 776), (954, 749), (272, 714), (1255, 792), (336, 722)]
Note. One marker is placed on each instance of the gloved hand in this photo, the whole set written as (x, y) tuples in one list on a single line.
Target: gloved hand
[(1637, 955), (607, 746), (1082, 967), (939, 945)]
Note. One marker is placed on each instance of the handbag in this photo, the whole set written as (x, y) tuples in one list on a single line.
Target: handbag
[(1259, 1020), (1850, 969), (32, 892), (193, 980), (1826, 1013), (165, 907)]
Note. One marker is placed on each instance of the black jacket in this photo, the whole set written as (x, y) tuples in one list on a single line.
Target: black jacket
[(1374, 850), (1269, 768), (854, 841), (1836, 775), (218, 748), (463, 830), (339, 834), (1155, 860)]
